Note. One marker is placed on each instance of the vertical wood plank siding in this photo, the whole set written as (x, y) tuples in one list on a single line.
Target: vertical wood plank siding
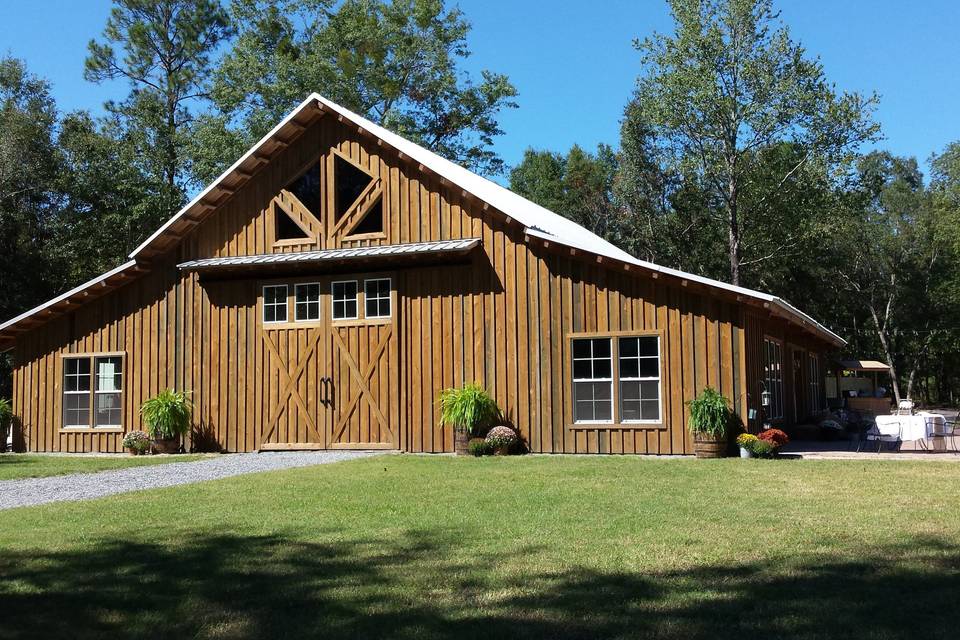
[(503, 320)]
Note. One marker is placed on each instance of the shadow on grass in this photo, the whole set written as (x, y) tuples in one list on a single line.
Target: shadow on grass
[(426, 585)]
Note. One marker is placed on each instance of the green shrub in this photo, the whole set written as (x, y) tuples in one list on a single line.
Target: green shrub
[(709, 414), (167, 415), (763, 449), (136, 440), (469, 408), (481, 448), (6, 413)]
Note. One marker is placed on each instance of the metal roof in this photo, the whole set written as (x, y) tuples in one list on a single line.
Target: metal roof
[(335, 255), (864, 365)]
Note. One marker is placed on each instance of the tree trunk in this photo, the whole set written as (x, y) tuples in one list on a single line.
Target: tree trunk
[(882, 334), (733, 229)]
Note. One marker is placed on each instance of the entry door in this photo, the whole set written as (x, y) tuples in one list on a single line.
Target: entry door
[(360, 380)]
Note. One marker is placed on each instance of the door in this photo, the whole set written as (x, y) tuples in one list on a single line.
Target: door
[(361, 393)]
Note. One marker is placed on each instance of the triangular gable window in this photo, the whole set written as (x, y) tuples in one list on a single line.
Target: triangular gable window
[(372, 221), (286, 228), (306, 188), (351, 182)]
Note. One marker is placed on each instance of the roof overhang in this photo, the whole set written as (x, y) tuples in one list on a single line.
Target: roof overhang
[(864, 365), (391, 255)]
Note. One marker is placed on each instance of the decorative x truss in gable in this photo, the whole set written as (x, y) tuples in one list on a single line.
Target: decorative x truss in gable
[(293, 209), (358, 198)]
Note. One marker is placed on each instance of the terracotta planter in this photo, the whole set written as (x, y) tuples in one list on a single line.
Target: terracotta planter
[(461, 442), (709, 447), (167, 445), (502, 451), (133, 452)]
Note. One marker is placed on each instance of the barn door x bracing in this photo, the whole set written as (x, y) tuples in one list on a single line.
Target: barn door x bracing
[(330, 361)]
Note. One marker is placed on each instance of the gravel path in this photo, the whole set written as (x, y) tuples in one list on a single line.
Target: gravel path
[(84, 486)]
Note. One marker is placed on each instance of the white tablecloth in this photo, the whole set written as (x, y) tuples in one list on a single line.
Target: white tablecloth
[(916, 427)]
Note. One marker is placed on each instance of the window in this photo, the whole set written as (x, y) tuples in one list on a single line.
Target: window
[(109, 386), (76, 392), (344, 295), (773, 377), (307, 306), (372, 221), (275, 303), (350, 183), (93, 382), (306, 189), (639, 373), (817, 400), (376, 295), (592, 380)]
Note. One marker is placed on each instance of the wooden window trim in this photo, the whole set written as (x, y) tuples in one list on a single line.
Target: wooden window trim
[(618, 424), (91, 417)]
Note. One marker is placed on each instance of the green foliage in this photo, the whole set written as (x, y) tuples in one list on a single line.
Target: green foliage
[(167, 415), (398, 63), (468, 408), (481, 448), (727, 85), (6, 414), (709, 414), (164, 49), (136, 440), (763, 449)]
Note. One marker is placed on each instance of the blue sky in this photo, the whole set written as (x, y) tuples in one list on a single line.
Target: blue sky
[(575, 65)]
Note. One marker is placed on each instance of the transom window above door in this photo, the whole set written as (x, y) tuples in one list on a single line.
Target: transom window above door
[(307, 302), (275, 303), (344, 296), (376, 294)]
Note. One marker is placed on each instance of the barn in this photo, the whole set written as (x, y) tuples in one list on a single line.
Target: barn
[(325, 288)]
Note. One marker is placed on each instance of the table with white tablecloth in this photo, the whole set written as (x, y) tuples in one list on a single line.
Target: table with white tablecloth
[(919, 426)]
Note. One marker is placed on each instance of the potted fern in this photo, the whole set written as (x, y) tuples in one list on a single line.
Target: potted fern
[(468, 409), (6, 416), (167, 417), (709, 419)]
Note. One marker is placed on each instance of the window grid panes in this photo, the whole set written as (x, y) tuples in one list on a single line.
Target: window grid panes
[(344, 296), (307, 302), (109, 389), (639, 375), (376, 295), (593, 380), (275, 303), (76, 392), (773, 377)]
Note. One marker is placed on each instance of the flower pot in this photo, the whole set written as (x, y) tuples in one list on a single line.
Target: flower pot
[(166, 445), (461, 442), (502, 451), (709, 447), (133, 452), (745, 453)]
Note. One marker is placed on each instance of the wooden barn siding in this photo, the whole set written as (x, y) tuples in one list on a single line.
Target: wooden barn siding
[(508, 330)]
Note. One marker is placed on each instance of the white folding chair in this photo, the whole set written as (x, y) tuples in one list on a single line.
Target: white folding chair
[(905, 408)]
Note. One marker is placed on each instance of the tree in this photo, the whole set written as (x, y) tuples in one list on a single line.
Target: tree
[(896, 264), (166, 49), (729, 84), (397, 63)]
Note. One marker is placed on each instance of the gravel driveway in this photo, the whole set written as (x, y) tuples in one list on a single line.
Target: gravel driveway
[(84, 486)]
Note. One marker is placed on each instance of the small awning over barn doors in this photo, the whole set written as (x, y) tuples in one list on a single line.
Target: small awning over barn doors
[(359, 258)]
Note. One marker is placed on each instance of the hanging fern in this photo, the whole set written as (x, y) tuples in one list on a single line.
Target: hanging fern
[(167, 415), (709, 414)]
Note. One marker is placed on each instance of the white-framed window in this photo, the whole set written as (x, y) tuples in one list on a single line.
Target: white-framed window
[(344, 299), (108, 391), (817, 398), (93, 391), (76, 392), (773, 377), (376, 298), (638, 358), (275, 303), (592, 380), (306, 302)]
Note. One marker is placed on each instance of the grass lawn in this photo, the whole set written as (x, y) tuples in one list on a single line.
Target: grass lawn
[(25, 465), (534, 547)]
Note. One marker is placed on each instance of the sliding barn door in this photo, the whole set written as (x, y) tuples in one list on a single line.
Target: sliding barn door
[(292, 368), (362, 392)]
